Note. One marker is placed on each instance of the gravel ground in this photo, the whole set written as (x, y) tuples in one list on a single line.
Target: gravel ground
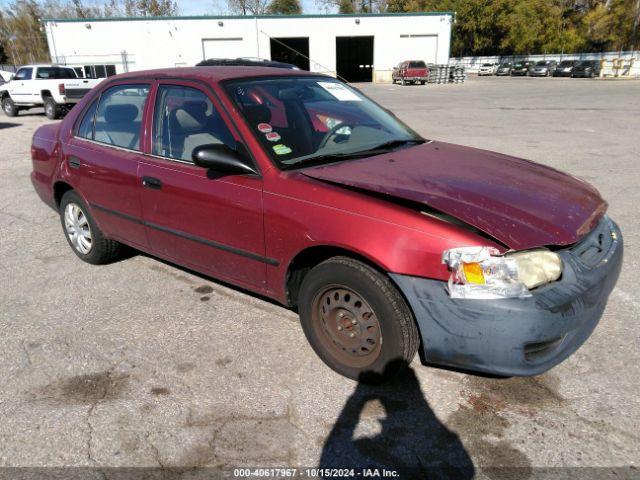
[(143, 364)]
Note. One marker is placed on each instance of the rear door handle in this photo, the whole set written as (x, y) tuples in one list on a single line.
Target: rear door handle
[(74, 162), (152, 183)]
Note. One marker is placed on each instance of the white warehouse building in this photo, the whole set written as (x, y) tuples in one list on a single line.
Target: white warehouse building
[(356, 47)]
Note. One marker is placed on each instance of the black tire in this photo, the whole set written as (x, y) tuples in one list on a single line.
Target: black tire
[(367, 306), (51, 108), (9, 108), (102, 250), (423, 82)]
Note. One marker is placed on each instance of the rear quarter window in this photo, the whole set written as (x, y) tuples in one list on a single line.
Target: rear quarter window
[(85, 129)]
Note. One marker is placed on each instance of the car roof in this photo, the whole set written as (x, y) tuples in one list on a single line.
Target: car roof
[(216, 74)]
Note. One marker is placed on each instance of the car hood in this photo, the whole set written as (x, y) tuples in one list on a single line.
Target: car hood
[(519, 203)]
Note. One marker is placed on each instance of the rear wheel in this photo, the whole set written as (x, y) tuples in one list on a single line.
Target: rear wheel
[(9, 107), (83, 235), (356, 320), (51, 108)]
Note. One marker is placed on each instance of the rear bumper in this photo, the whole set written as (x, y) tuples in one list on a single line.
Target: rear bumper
[(517, 336)]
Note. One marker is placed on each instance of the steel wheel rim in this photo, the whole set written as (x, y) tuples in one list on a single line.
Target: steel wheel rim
[(78, 229), (48, 109), (7, 106), (347, 326)]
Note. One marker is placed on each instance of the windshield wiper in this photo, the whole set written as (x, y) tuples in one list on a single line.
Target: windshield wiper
[(336, 157), (391, 144)]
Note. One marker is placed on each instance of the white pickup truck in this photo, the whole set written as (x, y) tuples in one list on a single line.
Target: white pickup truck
[(54, 87)]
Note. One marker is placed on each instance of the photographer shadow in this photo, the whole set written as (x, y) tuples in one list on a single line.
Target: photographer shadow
[(392, 427)]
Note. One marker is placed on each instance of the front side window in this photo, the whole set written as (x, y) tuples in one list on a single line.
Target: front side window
[(119, 116), (309, 120), (24, 74), (185, 118)]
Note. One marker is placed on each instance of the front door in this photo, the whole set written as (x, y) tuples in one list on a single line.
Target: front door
[(20, 87), (207, 222), (103, 158)]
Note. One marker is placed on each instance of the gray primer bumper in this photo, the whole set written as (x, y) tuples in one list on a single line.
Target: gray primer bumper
[(520, 336)]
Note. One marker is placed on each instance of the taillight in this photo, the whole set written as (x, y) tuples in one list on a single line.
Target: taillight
[(61, 88)]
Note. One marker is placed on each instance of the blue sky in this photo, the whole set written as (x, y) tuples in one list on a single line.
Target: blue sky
[(203, 7)]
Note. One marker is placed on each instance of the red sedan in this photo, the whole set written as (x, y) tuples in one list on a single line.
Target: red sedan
[(298, 187)]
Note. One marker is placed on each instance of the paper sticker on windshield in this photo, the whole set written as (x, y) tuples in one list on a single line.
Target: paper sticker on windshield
[(264, 127), (272, 136), (281, 149), (339, 91)]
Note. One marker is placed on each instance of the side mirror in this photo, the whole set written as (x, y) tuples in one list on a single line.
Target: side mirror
[(221, 159)]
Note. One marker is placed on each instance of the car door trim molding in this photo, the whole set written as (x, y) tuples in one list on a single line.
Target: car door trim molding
[(187, 236)]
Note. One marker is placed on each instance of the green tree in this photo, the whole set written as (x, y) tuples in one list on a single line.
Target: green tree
[(3, 55), (20, 27), (285, 7)]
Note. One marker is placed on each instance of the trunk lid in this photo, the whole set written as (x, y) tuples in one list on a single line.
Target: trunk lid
[(519, 203)]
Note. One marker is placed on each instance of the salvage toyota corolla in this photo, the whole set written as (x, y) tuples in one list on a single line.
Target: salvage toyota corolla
[(298, 187)]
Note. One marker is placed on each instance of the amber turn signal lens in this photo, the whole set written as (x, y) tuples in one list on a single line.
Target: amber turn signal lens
[(473, 273)]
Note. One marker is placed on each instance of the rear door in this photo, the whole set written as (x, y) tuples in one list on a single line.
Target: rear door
[(207, 222), (103, 157)]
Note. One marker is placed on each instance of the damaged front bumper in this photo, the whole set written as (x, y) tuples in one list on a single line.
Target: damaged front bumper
[(520, 336)]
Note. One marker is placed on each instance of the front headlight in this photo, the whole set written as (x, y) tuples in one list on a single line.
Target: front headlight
[(480, 272)]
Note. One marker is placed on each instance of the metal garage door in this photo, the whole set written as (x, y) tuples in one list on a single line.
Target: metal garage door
[(419, 47), (231, 47)]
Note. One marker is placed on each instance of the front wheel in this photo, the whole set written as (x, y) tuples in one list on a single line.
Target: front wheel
[(356, 320), (82, 233), (403, 82), (9, 107), (51, 109)]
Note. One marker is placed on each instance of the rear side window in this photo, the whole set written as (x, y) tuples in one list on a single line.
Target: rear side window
[(85, 130), (44, 73), (119, 116), (184, 119)]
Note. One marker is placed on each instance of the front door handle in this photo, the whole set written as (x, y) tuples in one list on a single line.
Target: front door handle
[(152, 183)]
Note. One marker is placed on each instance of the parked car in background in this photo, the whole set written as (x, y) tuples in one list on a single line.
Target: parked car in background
[(586, 69), (520, 69), (504, 69), (56, 88), (410, 71), (296, 186), (487, 69), (564, 68), (542, 68)]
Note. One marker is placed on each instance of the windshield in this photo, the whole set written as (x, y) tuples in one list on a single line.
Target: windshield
[(487, 64), (56, 72), (506, 64), (541, 63), (586, 63), (566, 63), (302, 121)]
